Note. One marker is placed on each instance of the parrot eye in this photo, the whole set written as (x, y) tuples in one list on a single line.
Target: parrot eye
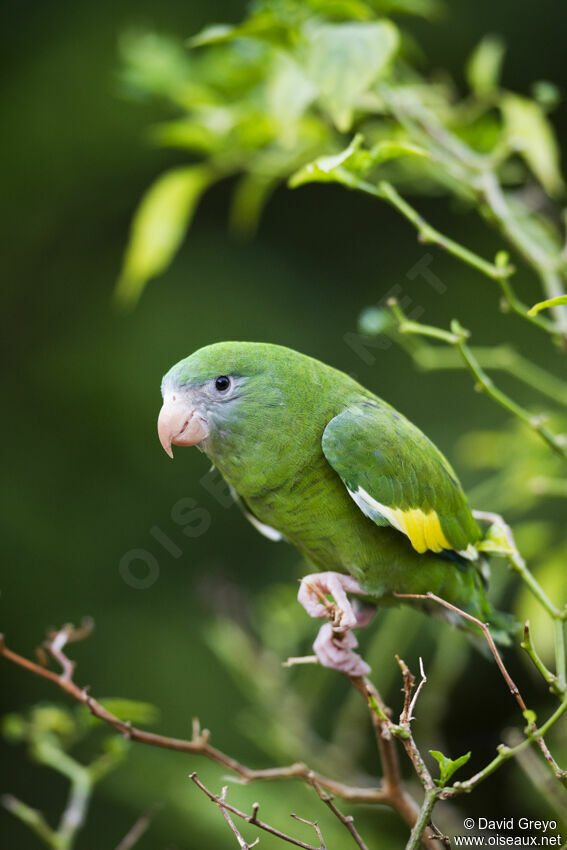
[(222, 383)]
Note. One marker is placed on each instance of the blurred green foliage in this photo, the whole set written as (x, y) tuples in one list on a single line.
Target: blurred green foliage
[(84, 479), (50, 732), (278, 96)]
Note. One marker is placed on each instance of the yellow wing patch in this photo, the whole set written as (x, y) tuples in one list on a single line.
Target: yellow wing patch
[(424, 530)]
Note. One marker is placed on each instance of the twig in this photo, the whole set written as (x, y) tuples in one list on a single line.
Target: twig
[(512, 687), (252, 819), (57, 640), (315, 826), (392, 793), (541, 780), (32, 818), (423, 820), (501, 358), (518, 563), (457, 337), (199, 743), (528, 645), (543, 263), (137, 830), (477, 175), (242, 843), (403, 730), (346, 820), (386, 731), (419, 687), (426, 233)]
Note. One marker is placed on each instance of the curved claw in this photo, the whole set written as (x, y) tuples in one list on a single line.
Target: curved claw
[(312, 592)]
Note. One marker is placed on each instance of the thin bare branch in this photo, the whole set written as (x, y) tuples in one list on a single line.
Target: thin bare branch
[(199, 743), (422, 682), (512, 687), (394, 790), (315, 825), (252, 819), (232, 826), (346, 820), (386, 732), (137, 830)]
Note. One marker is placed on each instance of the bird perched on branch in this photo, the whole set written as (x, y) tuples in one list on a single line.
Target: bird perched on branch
[(316, 459)]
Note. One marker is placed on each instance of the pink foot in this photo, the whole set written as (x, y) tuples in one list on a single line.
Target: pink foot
[(335, 650), (335, 642)]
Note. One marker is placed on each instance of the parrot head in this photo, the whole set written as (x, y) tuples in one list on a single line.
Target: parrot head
[(238, 400), (204, 395)]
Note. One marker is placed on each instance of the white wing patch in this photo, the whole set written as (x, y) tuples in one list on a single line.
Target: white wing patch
[(266, 530), (370, 507), (423, 529)]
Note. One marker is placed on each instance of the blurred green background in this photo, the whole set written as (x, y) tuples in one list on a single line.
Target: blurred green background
[(86, 482)]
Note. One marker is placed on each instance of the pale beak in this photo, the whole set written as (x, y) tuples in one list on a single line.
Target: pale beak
[(179, 423)]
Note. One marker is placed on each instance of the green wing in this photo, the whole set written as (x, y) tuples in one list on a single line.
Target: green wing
[(398, 477)]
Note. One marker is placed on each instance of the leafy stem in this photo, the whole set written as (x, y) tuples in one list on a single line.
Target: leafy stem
[(457, 337)]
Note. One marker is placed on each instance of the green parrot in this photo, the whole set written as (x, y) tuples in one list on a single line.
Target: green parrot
[(316, 459)]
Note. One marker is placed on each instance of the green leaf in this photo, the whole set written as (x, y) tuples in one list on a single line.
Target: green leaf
[(550, 302), (423, 8), (533, 136), (343, 60), (289, 91), (155, 64), (447, 766), (323, 169), (185, 134), (159, 225), (355, 159), (214, 34), (249, 198), (352, 10), (495, 541), (394, 149), (484, 66), (263, 24)]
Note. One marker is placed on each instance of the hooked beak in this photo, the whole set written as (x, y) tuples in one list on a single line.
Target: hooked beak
[(179, 423)]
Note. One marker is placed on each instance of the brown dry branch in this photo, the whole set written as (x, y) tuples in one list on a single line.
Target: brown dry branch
[(386, 732), (346, 820), (137, 830), (254, 820), (512, 687), (395, 792), (241, 842), (199, 743), (392, 792), (315, 826)]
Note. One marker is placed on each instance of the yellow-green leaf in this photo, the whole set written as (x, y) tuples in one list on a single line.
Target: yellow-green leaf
[(355, 159), (159, 226), (249, 198), (484, 65), (533, 136), (343, 60)]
